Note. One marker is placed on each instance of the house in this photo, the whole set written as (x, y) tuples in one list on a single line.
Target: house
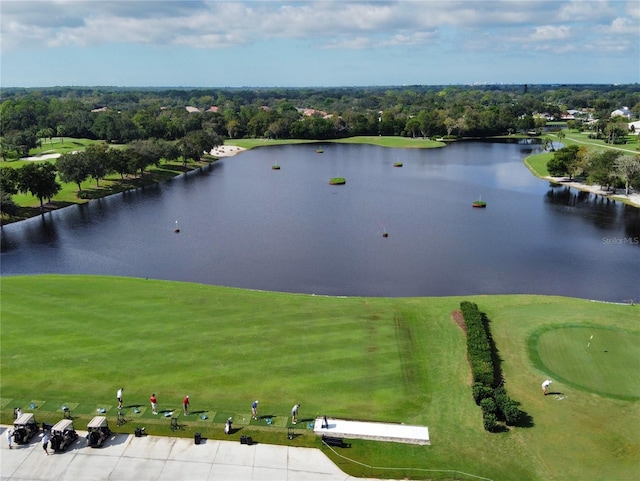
[(192, 110), (623, 112), (213, 108), (101, 109)]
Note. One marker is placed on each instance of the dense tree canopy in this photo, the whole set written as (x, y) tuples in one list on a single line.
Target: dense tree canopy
[(168, 124)]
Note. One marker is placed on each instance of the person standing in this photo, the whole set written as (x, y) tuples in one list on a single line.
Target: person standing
[(154, 404), (45, 442), (119, 397), (294, 413), (10, 438), (545, 386), (254, 409), (185, 405)]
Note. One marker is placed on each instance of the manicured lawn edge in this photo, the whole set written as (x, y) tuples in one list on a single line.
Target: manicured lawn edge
[(76, 339)]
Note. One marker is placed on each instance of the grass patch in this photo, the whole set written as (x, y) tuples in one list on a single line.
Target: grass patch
[(537, 164), (393, 142), (592, 358), (77, 339), (382, 141)]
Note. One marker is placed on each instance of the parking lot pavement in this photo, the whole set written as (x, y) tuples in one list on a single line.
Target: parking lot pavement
[(128, 458)]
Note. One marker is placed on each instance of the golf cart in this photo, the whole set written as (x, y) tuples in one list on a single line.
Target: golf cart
[(98, 431), (24, 427), (62, 435)]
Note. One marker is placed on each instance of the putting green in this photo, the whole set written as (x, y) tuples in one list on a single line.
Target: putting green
[(606, 364)]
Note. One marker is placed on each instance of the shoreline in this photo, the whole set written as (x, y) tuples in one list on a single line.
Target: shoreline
[(226, 150), (632, 199)]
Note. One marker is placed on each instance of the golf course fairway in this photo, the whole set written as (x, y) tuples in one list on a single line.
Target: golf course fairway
[(73, 341)]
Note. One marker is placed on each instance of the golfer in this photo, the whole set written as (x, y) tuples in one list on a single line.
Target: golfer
[(154, 404), (45, 442), (254, 409), (294, 413), (119, 397), (545, 386), (185, 405), (10, 438)]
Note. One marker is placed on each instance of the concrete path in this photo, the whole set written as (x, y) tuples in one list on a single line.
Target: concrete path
[(127, 458)]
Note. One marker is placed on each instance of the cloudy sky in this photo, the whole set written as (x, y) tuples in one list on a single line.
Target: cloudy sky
[(317, 43)]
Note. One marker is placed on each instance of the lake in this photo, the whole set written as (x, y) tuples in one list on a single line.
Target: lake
[(243, 224)]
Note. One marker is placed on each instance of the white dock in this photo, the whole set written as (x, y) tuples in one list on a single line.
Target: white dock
[(397, 433)]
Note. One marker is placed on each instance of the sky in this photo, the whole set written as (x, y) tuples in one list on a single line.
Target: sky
[(329, 43)]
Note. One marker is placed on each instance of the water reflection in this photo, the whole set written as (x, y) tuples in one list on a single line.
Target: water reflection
[(245, 225)]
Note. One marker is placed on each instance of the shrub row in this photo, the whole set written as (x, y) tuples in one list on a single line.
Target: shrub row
[(478, 346), (494, 401)]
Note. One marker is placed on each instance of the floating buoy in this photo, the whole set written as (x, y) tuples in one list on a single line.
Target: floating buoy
[(176, 230)]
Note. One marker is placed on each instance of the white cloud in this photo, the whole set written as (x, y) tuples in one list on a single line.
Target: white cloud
[(324, 24), (547, 33), (586, 10), (620, 26)]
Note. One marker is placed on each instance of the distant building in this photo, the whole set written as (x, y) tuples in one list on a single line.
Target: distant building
[(213, 108), (101, 109), (192, 110), (623, 112)]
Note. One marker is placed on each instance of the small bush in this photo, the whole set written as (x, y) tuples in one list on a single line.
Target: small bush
[(511, 412), (480, 392), (489, 421), (488, 406)]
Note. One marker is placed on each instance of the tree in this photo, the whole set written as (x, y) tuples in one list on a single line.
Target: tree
[(39, 179), (616, 132), (118, 161), (46, 133), (563, 161), (22, 141), (626, 168), (143, 153), (60, 132), (600, 167), (7, 205), (73, 167), (8, 187), (96, 157)]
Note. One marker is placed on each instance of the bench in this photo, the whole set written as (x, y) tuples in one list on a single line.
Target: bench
[(333, 441)]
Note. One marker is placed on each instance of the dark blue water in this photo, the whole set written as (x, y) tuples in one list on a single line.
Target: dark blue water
[(243, 224)]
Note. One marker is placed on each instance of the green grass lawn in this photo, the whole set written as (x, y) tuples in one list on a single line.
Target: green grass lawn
[(74, 340), (538, 163)]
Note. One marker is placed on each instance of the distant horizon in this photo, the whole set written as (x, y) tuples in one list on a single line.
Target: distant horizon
[(297, 87), (330, 43)]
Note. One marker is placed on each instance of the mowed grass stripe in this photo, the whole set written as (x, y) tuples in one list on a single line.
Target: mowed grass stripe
[(76, 339)]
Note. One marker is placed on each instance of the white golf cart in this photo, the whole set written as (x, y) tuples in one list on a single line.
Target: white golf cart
[(98, 431), (62, 435), (24, 427)]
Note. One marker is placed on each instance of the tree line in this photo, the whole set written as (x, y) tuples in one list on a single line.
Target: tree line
[(155, 124), (122, 115), (40, 179), (607, 168)]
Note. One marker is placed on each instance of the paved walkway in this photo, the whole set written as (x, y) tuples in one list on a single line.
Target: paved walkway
[(157, 458)]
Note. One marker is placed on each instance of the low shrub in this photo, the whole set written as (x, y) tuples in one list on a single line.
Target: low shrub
[(490, 422), (488, 406), (480, 392)]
